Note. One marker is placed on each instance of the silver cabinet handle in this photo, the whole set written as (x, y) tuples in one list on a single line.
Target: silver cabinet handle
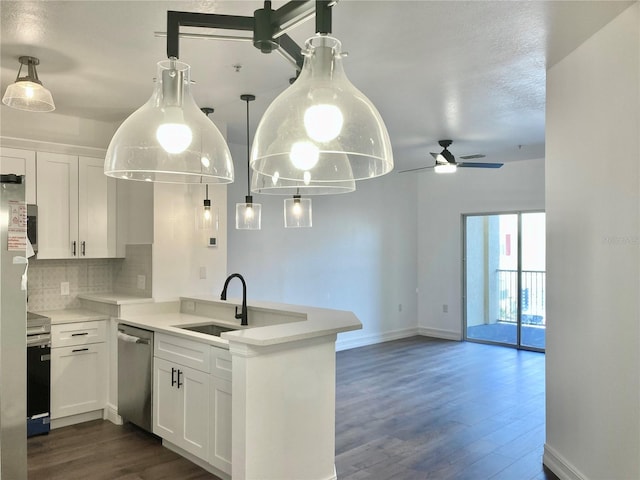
[(79, 334), (73, 248), (80, 350), (83, 246)]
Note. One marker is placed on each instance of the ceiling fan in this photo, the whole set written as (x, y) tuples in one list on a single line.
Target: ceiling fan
[(446, 162)]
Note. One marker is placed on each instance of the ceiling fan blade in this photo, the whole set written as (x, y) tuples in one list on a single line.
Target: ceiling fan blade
[(479, 165), (416, 169)]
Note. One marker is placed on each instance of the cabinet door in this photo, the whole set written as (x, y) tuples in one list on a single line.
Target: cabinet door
[(181, 406), (78, 379), (21, 162), (220, 430), (96, 210), (167, 401), (195, 392), (57, 189)]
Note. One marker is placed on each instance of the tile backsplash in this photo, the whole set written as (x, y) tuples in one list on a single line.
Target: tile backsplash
[(87, 276)]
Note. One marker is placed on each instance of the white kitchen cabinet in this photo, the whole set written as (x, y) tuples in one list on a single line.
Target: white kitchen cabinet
[(181, 406), (76, 207), (220, 431), (78, 368), (20, 162)]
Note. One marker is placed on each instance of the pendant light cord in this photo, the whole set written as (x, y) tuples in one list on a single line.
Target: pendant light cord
[(248, 153), (247, 97)]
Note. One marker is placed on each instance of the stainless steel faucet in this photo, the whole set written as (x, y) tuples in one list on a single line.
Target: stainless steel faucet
[(223, 296)]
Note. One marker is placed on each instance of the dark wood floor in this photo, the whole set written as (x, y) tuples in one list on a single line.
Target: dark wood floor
[(410, 409), (422, 408)]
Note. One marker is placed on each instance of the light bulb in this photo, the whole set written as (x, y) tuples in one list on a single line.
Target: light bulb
[(248, 213), (307, 178), (297, 209), (323, 122), (207, 213), (29, 91), (174, 137), (446, 168), (304, 155)]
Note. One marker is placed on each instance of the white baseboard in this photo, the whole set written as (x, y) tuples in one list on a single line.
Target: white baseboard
[(440, 333), (365, 340), (563, 469), (79, 418), (111, 414)]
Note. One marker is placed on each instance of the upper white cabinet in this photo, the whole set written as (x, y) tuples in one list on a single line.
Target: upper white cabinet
[(20, 162), (76, 207)]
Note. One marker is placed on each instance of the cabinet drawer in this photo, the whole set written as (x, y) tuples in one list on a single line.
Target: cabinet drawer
[(182, 351), (221, 363), (82, 333), (78, 379)]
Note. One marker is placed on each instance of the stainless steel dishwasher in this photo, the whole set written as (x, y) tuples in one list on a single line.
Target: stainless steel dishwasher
[(135, 375)]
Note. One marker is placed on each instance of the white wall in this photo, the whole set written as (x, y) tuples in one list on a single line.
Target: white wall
[(179, 249), (592, 188), (442, 199), (358, 256)]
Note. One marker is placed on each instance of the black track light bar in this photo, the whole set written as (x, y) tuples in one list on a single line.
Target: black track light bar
[(267, 25)]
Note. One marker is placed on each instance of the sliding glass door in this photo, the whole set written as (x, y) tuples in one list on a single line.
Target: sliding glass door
[(504, 279)]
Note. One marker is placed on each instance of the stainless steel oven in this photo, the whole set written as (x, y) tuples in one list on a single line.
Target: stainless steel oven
[(38, 374)]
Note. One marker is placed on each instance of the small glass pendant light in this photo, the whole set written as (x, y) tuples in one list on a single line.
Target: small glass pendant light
[(248, 214), (297, 212), (321, 127), (168, 139), (28, 93), (206, 216)]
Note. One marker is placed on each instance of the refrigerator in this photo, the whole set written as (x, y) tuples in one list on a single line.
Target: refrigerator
[(13, 328)]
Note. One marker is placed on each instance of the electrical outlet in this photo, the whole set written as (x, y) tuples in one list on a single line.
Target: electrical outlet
[(142, 282), (203, 273), (445, 308), (64, 288)]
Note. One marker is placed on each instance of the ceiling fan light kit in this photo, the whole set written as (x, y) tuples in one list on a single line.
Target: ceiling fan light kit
[(319, 135), (27, 93), (446, 162)]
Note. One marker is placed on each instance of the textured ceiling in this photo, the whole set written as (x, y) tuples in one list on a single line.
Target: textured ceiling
[(472, 71)]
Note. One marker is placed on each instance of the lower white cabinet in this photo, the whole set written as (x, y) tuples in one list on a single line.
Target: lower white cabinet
[(78, 369), (192, 403), (181, 406), (220, 431)]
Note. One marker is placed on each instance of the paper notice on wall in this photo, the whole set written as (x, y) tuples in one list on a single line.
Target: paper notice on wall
[(17, 231)]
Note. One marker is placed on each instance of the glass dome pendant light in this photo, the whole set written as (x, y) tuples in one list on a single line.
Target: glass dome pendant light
[(297, 212), (28, 93), (321, 126), (248, 214), (169, 139)]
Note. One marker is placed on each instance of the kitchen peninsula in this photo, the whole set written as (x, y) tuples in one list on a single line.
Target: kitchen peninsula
[(281, 370)]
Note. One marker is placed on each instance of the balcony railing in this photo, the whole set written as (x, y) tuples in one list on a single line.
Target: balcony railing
[(532, 296)]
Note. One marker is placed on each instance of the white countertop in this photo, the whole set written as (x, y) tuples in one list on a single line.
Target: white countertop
[(170, 322), (72, 315), (319, 322), (115, 298)]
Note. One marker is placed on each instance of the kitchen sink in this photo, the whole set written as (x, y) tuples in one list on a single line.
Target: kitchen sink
[(208, 328)]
